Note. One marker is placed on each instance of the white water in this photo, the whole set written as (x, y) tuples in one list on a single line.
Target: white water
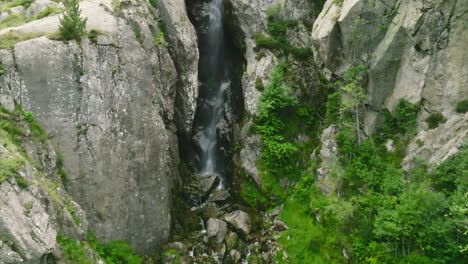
[(216, 87)]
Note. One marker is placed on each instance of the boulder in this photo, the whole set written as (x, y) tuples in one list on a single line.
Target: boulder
[(240, 220), (38, 6), (219, 196), (216, 229)]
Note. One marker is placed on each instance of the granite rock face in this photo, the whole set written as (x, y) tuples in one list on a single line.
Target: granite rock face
[(414, 50), (111, 107), (34, 205)]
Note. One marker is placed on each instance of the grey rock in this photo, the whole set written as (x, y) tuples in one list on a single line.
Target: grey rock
[(3, 16), (110, 110), (216, 229), (38, 6), (205, 183), (219, 196), (240, 220), (17, 9)]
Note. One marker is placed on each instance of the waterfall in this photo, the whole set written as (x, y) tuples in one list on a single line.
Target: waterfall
[(214, 85)]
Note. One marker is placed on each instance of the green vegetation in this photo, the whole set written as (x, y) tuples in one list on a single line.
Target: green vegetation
[(2, 70), (175, 253), (462, 106), (73, 250), (251, 194), (72, 26), (153, 3), (435, 119), (382, 213), (8, 40), (278, 41), (259, 84), (114, 252), (50, 10), (13, 3), (116, 6)]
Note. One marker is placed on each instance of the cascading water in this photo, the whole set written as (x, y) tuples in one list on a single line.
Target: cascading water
[(215, 83)]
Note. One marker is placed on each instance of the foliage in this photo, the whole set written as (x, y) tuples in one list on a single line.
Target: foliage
[(462, 106), (73, 250), (114, 252), (153, 3), (277, 41), (435, 119), (72, 25), (333, 106), (251, 194)]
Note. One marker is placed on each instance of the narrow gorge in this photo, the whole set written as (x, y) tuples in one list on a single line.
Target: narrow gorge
[(233, 131)]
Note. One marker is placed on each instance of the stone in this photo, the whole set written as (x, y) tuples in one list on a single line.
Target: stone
[(17, 9), (235, 255), (219, 196), (206, 183), (3, 16), (240, 220), (110, 110), (38, 6), (216, 229)]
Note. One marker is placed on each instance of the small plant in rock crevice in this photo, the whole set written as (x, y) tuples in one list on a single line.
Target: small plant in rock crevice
[(72, 25), (435, 119)]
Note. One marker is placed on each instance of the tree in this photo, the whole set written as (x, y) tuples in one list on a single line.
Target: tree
[(72, 25), (353, 93)]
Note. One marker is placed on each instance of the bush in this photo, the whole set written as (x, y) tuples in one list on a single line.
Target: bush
[(72, 26), (114, 252), (73, 250), (462, 107), (435, 119), (153, 3)]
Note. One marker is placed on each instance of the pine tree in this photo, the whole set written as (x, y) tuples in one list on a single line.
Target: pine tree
[(72, 26)]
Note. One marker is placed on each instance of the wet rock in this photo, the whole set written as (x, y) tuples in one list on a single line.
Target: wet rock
[(240, 220), (219, 196), (204, 184), (216, 229)]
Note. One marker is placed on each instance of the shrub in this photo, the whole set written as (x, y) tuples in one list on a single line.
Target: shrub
[(435, 119), (114, 252), (333, 108), (153, 3), (72, 26), (462, 107), (73, 250)]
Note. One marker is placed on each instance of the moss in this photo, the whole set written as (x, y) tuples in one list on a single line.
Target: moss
[(2, 70), (259, 84), (8, 40), (435, 119), (462, 106), (116, 6), (13, 3), (50, 10), (251, 194)]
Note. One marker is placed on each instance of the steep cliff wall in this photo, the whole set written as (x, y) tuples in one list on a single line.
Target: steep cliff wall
[(112, 104)]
